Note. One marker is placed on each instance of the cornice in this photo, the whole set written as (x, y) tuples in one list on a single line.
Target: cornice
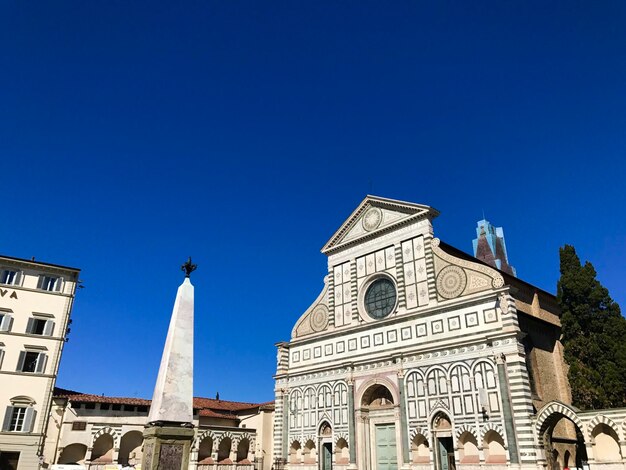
[(37, 265)]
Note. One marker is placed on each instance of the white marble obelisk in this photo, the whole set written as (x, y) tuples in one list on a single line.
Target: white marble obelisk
[(172, 401)]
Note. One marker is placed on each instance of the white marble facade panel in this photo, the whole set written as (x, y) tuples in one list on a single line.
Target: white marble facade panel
[(412, 334), (311, 405), (341, 280)]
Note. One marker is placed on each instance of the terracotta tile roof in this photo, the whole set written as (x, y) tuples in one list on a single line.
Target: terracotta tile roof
[(208, 406), (64, 392), (213, 414), (200, 402), (87, 398)]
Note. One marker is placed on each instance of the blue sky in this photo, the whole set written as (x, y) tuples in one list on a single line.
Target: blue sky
[(134, 134)]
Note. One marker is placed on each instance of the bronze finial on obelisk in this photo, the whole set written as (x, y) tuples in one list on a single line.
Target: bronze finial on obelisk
[(188, 267)]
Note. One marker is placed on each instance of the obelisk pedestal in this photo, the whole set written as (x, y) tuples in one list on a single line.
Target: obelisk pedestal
[(169, 434)]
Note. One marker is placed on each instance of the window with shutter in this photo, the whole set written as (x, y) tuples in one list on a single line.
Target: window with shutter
[(20, 361), (17, 419), (50, 283), (31, 361), (29, 420), (8, 415), (36, 326), (41, 363), (10, 277), (1, 357), (6, 321), (49, 328)]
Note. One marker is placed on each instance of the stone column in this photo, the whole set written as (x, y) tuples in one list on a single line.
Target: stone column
[(404, 432), (351, 424), (169, 434), (232, 455), (285, 450), (507, 408)]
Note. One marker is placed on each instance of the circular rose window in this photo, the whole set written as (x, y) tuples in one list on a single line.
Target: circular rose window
[(380, 298)]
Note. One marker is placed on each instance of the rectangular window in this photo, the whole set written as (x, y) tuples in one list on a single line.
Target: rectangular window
[(79, 425), (50, 283), (90, 406), (9, 277), (31, 361), (116, 407), (1, 354), (6, 321), (105, 406), (40, 326), (19, 419)]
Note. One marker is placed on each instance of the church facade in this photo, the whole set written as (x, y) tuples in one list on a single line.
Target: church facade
[(417, 356)]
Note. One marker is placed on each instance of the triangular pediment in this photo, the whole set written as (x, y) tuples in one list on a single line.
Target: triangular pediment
[(374, 216)]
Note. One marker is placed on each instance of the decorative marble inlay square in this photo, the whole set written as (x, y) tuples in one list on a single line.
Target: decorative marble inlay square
[(296, 356), (405, 333), (378, 339), (421, 329), (471, 319), (454, 323), (418, 246), (436, 326), (365, 342), (392, 336), (170, 456), (490, 315), (328, 350), (317, 352), (340, 347), (306, 354), (352, 345)]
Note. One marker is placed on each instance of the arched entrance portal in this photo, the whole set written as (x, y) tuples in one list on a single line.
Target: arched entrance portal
[(380, 429), (326, 445), (560, 437), (444, 447)]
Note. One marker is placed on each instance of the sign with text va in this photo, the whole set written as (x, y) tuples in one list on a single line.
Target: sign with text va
[(4, 292)]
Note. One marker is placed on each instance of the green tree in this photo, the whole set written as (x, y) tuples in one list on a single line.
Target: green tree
[(594, 336)]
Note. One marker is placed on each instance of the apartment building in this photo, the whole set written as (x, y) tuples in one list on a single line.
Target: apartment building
[(36, 300)]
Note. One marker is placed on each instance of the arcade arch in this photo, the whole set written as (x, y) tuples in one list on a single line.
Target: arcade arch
[(605, 442), (73, 454), (559, 434), (420, 452), (468, 448), (205, 451), (102, 451), (130, 448)]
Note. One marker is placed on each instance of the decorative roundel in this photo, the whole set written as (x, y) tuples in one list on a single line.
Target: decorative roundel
[(497, 282), (372, 219), (319, 318), (451, 282), (380, 298)]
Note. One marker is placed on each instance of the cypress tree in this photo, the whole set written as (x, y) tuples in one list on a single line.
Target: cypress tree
[(593, 337)]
